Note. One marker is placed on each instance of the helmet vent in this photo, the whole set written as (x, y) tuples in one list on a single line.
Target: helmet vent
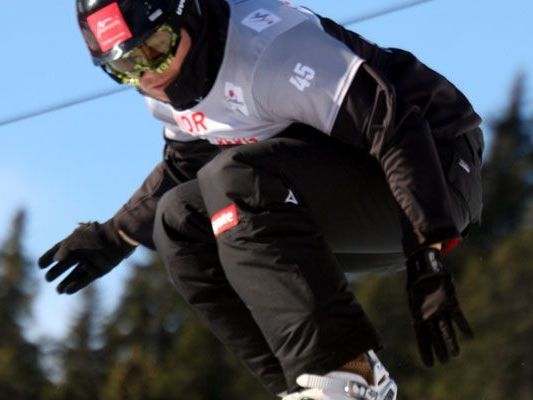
[(198, 8), (155, 15)]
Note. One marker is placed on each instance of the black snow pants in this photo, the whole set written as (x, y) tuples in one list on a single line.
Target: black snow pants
[(260, 242)]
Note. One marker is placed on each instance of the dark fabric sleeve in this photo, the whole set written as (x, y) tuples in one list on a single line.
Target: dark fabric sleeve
[(372, 117), (398, 109), (182, 160), (443, 105)]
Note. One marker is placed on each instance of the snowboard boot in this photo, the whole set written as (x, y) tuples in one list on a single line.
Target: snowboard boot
[(347, 385)]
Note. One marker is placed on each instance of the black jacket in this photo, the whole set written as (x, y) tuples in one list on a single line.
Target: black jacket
[(402, 116)]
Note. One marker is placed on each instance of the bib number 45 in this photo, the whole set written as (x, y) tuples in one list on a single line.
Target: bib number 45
[(303, 75)]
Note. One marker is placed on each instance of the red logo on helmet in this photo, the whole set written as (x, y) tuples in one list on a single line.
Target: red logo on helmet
[(109, 27)]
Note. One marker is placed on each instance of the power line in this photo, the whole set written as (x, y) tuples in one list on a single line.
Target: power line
[(60, 106), (385, 11), (109, 92)]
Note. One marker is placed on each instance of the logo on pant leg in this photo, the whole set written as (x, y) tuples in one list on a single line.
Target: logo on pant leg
[(291, 198), (225, 219)]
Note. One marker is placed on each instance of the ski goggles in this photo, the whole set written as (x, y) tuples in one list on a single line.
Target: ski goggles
[(154, 54)]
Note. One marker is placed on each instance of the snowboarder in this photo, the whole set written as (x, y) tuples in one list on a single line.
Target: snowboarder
[(296, 150)]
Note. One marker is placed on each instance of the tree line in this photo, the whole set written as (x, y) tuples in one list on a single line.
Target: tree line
[(152, 347)]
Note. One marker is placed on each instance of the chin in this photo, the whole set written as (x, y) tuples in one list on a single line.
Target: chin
[(160, 96)]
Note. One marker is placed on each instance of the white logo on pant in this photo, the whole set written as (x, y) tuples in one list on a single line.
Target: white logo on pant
[(291, 198), (225, 219), (464, 165)]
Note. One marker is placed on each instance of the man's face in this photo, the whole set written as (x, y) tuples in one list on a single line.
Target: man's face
[(154, 83)]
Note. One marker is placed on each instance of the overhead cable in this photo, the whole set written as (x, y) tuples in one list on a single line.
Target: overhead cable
[(60, 106), (385, 11)]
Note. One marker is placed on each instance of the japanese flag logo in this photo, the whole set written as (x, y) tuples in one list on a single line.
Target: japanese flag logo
[(235, 98)]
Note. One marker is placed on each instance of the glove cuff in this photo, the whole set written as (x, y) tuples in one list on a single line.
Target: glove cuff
[(425, 261), (127, 239), (112, 235)]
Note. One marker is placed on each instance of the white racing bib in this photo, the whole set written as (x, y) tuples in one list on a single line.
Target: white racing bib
[(279, 67)]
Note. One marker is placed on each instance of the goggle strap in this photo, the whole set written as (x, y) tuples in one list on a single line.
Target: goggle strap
[(112, 74)]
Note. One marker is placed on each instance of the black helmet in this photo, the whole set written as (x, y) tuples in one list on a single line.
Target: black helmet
[(113, 27)]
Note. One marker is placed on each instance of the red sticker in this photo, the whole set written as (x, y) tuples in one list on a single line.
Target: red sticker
[(109, 27), (225, 219), (449, 245)]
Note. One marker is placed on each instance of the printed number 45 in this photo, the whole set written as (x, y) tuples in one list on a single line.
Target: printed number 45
[(303, 76)]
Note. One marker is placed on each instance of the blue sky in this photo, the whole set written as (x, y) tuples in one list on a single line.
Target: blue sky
[(83, 162)]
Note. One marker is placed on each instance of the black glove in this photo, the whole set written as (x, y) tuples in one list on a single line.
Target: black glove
[(434, 306), (94, 249)]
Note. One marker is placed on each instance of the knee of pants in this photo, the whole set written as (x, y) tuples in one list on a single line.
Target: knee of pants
[(165, 223), (245, 177), (181, 228), (180, 214)]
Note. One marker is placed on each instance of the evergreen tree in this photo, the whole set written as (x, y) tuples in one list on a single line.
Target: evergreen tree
[(508, 173), (149, 314), (160, 350), (82, 359), (494, 286), (21, 376), (140, 332), (499, 299)]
